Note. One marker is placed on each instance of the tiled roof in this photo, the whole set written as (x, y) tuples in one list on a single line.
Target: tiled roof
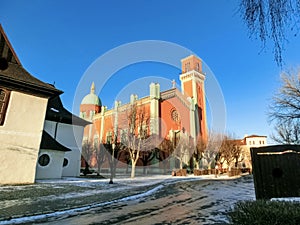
[(56, 112), (254, 135), (50, 143), (15, 77)]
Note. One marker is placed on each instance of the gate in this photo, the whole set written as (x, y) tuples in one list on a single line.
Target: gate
[(276, 171)]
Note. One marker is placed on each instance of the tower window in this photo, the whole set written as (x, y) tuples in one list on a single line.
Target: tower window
[(187, 67), (4, 98)]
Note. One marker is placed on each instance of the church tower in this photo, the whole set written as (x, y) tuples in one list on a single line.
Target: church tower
[(192, 85), (90, 105)]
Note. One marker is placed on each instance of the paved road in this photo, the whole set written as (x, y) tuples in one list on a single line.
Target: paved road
[(185, 202)]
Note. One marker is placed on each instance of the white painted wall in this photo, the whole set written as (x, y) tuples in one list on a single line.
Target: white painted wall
[(71, 137), (256, 141), (54, 169), (20, 138)]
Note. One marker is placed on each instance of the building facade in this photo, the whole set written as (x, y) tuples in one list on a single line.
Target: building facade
[(250, 141), (167, 114), (39, 138), (23, 104)]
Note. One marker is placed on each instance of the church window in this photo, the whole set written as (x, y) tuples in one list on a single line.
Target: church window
[(109, 137), (44, 160), (174, 115), (124, 135), (66, 162), (143, 131), (96, 140), (4, 98)]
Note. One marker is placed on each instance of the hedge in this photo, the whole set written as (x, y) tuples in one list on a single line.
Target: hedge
[(265, 212)]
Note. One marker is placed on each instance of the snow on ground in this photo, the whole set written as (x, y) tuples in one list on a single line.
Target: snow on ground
[(290, 199), (89, 187)]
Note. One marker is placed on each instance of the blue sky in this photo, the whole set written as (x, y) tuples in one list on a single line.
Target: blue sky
[(57, 41)]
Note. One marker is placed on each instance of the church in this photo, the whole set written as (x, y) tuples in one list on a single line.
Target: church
[(169, 114)]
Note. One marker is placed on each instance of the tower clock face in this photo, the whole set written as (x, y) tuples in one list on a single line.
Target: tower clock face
[(174, 115)]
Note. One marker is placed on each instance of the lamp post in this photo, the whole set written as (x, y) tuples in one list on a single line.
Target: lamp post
[(112, 163)]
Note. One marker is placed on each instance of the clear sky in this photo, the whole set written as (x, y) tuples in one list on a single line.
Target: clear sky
[(58, 40)]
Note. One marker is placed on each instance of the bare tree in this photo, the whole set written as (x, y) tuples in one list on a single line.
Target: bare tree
[(137, 133), (231, 151), (164, 152), (114, 152), (199, 151), (287, 133), (237, 152), (87, 153), (146, 157), (285, 109), (271, 19), (211, 153), (183, 149), (99, 150), (286, 102)]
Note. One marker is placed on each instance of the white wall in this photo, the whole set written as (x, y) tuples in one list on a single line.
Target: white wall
[(54, 169), (71, 137), (256, 141), (20, 138)]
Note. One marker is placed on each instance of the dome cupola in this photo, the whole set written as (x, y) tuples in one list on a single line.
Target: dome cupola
[(91, 98)]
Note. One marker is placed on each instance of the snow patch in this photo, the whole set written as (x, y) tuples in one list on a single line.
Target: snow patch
[(80, 209)]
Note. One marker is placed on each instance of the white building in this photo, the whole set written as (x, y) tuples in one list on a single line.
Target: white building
[(23, 104), (66, 129), (248, 142), (39, 137)]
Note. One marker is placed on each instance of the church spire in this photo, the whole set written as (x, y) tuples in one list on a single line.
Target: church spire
[(93, 88)]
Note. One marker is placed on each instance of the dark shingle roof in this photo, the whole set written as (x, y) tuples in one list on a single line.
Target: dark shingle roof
[(15, 77), (56, 112), (50, 143), (6, 49)]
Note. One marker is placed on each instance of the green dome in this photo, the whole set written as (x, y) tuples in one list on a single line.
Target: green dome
[(91, 98)]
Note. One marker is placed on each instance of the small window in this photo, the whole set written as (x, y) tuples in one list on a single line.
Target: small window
[(109, 137), (44, 160), (4, 98), (124, 134), (66, 162), (198, 67)]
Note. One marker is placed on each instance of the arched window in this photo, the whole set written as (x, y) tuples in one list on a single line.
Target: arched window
[(4, 98), (66, 162)]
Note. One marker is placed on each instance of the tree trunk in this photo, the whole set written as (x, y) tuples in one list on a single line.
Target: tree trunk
[(181, 164), (165, 168), (133, 170), (197, 165)]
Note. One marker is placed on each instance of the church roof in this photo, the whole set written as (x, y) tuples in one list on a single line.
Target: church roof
[(50, 143), (13, 76), (56, 112), (91, 98)]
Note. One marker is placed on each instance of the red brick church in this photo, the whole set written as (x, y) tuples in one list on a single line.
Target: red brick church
[(166, 113)]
